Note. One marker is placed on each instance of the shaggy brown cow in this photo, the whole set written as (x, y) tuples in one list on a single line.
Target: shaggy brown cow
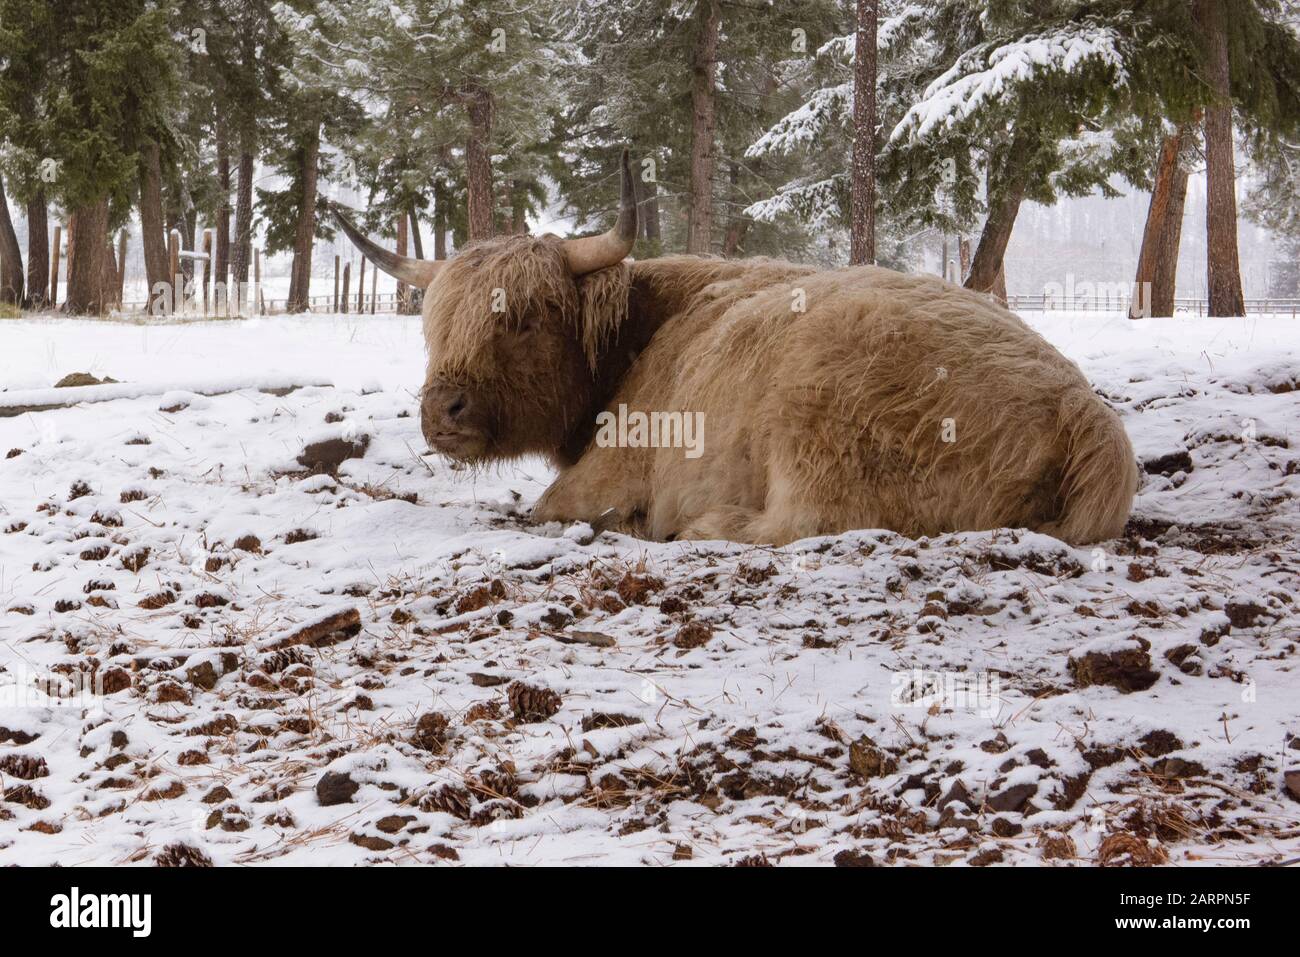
[(828, 399)]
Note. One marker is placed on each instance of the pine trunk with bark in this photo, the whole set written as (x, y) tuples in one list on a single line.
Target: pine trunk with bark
[(87, 243), (38, 252), (151, 222), (11, 257), (221, 257), (1223, 267), (1006, 191), (440, 201), (704, 73), (242, 251), (862, 233), (1153, 287), (305, 230), (478, 162), (417, 242)]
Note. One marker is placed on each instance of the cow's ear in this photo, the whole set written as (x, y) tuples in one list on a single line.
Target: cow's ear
[(602, 307)]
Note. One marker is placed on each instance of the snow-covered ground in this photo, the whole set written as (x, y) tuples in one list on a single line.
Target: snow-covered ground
[(318, 668)]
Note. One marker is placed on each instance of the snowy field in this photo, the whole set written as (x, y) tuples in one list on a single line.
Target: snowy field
[(213, 650)]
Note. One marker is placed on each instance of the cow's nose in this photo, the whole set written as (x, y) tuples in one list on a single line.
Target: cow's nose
[(445, 407)]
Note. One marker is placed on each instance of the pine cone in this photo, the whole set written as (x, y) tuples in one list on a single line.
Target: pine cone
[(498, 782), (430, 732), (181, 855), (279, 660), (450, 799), (489, 812), (26, 767), (532, 704)]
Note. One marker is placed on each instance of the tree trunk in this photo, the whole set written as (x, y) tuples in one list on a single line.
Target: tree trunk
[(963, 258), (699, 229), (221, 265), (1164, 279), (518, 209), (440, 200), (305, 232), (87, 243), (151, 222), (11, 257), (862, 247), (109, 276), (1006, 191), (417, 243), (738, 225), (1223, 267), (38, 252), (1153, 287), (478, 163), (242, 253)]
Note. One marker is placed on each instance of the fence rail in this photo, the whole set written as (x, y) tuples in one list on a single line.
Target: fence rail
[(1114, 303), (388, 302), (384, 302)]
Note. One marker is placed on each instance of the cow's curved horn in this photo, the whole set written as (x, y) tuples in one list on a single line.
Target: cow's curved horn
[(417, 272), (597, 252)]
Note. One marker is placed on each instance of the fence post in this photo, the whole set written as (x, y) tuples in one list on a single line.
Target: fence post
[(347, 276), (336, 284), (259, 305), (361, 286), (174, 266), (374, 285)]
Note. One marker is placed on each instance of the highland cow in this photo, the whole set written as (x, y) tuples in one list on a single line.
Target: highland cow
[(830, 399)]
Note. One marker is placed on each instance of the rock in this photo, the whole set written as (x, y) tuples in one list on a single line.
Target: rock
[(370, 843), (481, 680), (1003, 827), (328, 454), (851, 858), (868, 761), (1243, 614), (596, 639), (957, 792), (1291, 781), (1169, 463), (335, 787), (74, 379), (1013, 798), (1128, 669), (986, 857), (393, 823), (203, 675), (328, 630), (1157, 744)]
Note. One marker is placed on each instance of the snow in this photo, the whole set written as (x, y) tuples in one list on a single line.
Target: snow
[(958, 656), (981, 76)]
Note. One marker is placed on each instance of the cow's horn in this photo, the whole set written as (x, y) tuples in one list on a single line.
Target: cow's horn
[(597, 252), (417, 272)]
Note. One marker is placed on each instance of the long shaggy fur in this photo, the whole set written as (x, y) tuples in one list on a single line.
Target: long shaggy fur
[(851, 398)]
